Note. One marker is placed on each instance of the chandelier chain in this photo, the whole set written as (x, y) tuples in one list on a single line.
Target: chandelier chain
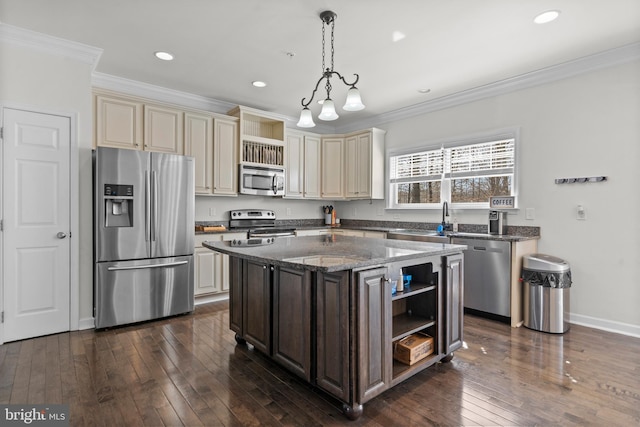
[(333, 24), (322, 47)]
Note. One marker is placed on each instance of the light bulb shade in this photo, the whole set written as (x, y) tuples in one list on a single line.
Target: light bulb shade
[(306, 119), (328, 111), (353, 103)]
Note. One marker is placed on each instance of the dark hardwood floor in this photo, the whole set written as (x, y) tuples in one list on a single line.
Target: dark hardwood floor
[(188, 370)]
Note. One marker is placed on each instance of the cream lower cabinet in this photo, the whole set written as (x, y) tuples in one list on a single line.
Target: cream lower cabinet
[(359, 233), (211, 267)]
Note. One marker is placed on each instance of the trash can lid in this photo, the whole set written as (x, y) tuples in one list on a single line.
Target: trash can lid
[(542, 262)]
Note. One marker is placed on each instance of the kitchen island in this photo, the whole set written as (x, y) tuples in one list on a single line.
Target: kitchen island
[(323, 307)]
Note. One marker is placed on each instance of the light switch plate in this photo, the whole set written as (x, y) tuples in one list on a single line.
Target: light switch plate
[(530, 213), (581, 213)]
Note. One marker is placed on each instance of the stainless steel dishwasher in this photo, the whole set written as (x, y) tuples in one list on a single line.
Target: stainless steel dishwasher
[(487, 275)]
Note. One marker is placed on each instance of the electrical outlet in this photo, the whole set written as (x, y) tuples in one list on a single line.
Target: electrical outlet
[(396, 216), (581, 213), (355, 211), (213, 211), (288, 211), (530, 213)]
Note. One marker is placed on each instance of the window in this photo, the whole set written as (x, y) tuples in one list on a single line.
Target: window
[(465, 175)]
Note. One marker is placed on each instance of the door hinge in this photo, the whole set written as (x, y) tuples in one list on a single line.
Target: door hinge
[(2, 317), (1, 132), (1, 225)]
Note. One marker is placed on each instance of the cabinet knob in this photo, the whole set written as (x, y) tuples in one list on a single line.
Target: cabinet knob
[(264, 267)]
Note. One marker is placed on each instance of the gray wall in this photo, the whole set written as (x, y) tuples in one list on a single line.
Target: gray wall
[(582, 126)]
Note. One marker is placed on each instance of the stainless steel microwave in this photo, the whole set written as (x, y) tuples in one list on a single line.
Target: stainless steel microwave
[(262, 181)]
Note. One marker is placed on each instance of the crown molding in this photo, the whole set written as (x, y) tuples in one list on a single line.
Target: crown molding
[(49, 44), (159, 93), (598, 61)]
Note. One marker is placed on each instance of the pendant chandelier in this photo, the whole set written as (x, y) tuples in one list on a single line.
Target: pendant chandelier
[(353, 102)]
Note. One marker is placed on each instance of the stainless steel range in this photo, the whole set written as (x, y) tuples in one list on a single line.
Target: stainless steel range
[(259, 223)]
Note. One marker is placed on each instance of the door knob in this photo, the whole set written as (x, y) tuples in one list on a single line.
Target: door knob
[(61, 235)]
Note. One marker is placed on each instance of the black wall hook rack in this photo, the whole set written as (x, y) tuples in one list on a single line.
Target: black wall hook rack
[(580, 180)]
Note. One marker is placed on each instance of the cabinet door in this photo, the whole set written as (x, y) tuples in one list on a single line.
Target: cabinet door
[(312, 152), (374, 333), (292, 320), (198, 143), (118, 123), (256, 290), (332, 171), (295, 165), (225, 164), (204, 262), (358, 166), (235, 295), (163, 129), (332, 334), (454, 310)]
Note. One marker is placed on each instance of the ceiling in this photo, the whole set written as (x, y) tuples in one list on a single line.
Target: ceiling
[(221, 46)]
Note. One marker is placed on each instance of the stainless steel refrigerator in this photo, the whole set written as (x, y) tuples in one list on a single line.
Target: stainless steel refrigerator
[(143, 235)]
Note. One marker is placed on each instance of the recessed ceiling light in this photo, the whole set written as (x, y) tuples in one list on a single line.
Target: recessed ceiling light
[(258, 83), (165, 56), (424, 90), (396, 36), (547, 16)]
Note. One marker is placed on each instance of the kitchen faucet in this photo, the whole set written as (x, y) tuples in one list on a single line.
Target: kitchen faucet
[(445, 213)]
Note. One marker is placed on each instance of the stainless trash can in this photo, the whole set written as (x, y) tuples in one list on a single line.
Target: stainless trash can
[(547, 285)]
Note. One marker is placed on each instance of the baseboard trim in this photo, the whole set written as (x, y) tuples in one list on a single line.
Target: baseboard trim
[(606, 325), (87, 323), (205, 299)]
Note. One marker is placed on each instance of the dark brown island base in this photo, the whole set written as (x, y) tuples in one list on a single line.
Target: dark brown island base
[(323, 307)]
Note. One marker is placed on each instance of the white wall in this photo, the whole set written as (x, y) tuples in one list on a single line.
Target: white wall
[(56, 84), (582, 126)]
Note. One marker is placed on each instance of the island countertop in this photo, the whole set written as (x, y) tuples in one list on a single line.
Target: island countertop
[(330, 252)]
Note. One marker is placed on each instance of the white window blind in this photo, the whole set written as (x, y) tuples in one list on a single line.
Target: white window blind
[(414, 167), (488, 158)]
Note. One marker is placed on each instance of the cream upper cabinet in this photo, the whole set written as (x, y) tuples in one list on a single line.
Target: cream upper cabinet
[(303, 165), (312, 163), (332, 186), (118, 122), (127, 122), (364, 165), (163, 129), (198, 143), (225, 160), (294, 165)]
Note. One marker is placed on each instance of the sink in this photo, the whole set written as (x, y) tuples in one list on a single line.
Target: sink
[(417, 235)]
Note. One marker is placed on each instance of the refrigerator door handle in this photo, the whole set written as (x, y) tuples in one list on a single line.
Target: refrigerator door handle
[(154, 212), (139, 267), (147, 207)]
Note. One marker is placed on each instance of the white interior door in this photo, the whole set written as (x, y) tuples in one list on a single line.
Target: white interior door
[(36, 224)]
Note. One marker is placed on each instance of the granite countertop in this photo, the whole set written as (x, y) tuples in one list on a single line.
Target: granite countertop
[(333, 253), (512, 237)]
